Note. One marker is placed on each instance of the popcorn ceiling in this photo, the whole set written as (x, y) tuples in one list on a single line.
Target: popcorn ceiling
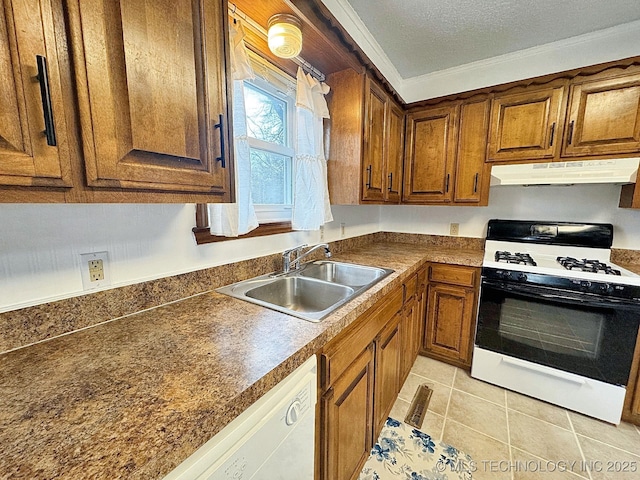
[(423, 36)]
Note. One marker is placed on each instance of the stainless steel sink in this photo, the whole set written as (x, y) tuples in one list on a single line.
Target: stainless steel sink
[(343, 273), (311, 292)]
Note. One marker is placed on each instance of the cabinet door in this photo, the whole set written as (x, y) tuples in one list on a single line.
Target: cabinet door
[(525, 125), (152, 94), (27, 155), (450, 322), (410, 334), (604, 117), (472, 172), (347, 415), (429, 160), (387, 381), (395, 152), (373, 181)]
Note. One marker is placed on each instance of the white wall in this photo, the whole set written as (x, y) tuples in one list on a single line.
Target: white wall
[(585, 203), (40, 245)]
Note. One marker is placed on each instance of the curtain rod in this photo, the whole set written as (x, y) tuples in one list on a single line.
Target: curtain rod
[(235, 12)]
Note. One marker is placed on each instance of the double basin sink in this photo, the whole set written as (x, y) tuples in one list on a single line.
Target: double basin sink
[(310, 292)]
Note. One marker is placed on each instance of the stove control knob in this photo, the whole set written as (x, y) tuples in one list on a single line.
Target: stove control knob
[(605, 288), (586, 284), (522, 277)]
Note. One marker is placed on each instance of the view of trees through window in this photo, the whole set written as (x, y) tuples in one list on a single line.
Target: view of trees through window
[(271, 154)]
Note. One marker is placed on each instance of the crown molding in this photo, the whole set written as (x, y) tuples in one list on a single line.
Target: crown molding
[(351, 22)]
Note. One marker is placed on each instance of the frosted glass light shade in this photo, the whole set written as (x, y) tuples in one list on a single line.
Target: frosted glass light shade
[(285, 36)]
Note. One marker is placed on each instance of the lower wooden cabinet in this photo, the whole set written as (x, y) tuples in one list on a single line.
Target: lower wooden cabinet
[(346, 413), (387, 378), (360, 377), (451, 313), (631, 410)]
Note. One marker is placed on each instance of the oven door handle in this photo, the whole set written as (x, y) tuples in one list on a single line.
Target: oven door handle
[(579, 298), (543, 370)]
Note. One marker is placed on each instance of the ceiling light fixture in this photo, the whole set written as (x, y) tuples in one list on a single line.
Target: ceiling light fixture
[(285, 36)]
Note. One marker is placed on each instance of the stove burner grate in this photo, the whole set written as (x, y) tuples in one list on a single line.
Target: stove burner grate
[(519, 258), (586, 265)]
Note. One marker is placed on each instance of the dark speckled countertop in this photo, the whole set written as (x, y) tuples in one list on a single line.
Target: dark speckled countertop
[(134, 397)]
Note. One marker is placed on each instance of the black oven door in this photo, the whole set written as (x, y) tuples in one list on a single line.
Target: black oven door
[(588, 335)]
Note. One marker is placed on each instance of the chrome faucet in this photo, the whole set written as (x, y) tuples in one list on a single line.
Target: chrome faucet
[(288, 264)]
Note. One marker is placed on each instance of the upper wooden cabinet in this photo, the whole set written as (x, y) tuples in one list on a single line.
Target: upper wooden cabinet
[(31, 99), (374, 142), (152, 94), (367, 141), (526, 123), (445, 154), (430, 155), (122, 101), (603, 116)]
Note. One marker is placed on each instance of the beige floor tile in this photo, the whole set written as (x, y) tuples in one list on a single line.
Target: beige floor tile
[(399, 409), (432, 423), (528, 467), (434, 370), (607, 462), (542, 439), (468, 384), (439, 398), (487, 453), (479, 414), (624, 436), (539, 409)]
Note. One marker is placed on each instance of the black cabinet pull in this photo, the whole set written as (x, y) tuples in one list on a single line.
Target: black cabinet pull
[(47, 110), (475, 183), (220, 125), (368, 185), (553, 131), (447, 185), (570, 134), (390, 182)]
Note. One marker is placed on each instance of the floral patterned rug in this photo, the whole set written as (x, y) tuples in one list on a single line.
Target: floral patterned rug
[(404, 452)]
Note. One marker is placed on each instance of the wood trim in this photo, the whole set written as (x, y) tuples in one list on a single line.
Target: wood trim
[(203, 234)]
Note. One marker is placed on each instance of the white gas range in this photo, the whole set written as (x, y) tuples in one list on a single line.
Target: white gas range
[(556, 319)]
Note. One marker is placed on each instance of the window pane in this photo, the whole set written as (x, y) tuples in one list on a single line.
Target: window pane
[(266, 115), (270, 178)]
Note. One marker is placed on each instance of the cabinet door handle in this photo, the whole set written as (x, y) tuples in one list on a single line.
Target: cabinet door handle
[(553, 131), (220, 125), (45, 93), (390, 182), (570, 134), (368, 185), (475, 183), (447, 185)]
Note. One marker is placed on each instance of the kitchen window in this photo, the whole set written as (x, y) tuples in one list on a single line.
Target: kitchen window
[(270, 109), (270, 113)]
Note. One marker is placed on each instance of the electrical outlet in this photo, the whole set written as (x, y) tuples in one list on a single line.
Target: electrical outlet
[(454, 229), (342, 228), (94, 268), (322, 233)]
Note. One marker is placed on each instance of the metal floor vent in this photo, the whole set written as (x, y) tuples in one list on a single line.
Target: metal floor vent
[(419, 404)]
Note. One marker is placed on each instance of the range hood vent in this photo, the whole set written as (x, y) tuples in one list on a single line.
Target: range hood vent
[(618, 171)]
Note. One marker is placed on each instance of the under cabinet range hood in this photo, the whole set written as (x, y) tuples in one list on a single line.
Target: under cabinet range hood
[(618, 171)]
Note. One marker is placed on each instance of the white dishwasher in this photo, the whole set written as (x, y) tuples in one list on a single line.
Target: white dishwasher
[(272, 440)]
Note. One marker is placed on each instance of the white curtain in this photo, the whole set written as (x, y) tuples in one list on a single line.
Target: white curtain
[(310, 189), (234, 219)]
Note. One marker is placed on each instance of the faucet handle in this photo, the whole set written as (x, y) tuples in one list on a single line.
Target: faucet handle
[(297, 249)]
